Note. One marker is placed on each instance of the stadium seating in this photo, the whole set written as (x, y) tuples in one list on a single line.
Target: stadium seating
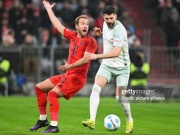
[(143, 20)]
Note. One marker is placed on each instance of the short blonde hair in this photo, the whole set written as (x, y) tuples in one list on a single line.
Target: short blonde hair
[(79, 17)]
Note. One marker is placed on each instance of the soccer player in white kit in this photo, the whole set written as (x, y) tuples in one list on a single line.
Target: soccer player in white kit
[(115, 63)]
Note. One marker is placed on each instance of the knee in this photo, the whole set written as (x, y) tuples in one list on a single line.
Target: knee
[(96, 88), (52, 94), (37, 89), (42, 86)]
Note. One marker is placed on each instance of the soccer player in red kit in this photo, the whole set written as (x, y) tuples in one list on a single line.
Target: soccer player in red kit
[(69, 83)]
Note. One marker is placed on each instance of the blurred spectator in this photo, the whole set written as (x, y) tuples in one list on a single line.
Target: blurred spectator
[(134, 49), (92, 6), (2, 9), (74, 5), (45, 37), (15, 13), (28, 11), (30, 56), (8, 4), (131, 36), (171, 27), (4, 27), (128, 26), (22, 29), (172, 30), (66, 14), (127, 20), (36, 4), (118, 6), (165, 11), (29, 41), (176, 4), (35, 23), (45, 43), (26, 2), (139, 73), (90, 18), (83, 4), (8, 38), (125, 15), (4, 73), (101, 5)]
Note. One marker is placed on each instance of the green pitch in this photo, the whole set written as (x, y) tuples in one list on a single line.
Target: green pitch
[(18, 114)]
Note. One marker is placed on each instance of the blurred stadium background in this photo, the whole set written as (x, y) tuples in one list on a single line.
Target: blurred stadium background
[(35, 49)]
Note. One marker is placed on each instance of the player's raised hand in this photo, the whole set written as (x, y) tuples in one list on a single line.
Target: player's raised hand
[(47, 4), (97, 31)]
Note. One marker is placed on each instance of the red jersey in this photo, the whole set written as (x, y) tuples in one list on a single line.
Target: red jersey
[(77, 48)]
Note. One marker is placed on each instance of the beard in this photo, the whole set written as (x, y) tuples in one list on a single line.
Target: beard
[(110, 25), (82, 34)]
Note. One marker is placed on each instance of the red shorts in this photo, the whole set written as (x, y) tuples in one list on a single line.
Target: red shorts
[(68, 84)]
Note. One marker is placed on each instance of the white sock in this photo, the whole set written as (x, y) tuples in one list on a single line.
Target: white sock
[(42, 117), (127, 110), (94, 101), (54, 123)]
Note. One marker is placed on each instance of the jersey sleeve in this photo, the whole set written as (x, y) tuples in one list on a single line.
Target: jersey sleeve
[(118, 38), (68, 33), (92, 45)]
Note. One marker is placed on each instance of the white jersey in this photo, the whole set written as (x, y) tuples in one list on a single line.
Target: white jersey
[(116, 36)]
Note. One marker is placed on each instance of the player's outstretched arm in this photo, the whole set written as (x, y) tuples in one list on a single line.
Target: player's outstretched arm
[(78, 63), (114, 53), (57, 24)]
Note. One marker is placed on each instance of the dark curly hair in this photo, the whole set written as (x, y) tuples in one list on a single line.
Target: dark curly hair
[(109, 10)]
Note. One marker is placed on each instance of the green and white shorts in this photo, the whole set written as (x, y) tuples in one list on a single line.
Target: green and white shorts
[(121, 74)]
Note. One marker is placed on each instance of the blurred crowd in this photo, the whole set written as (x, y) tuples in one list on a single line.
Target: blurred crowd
[(26, 21), (167, 16)]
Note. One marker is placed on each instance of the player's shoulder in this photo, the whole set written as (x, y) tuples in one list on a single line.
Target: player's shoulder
[(72, 32), (118, 25)]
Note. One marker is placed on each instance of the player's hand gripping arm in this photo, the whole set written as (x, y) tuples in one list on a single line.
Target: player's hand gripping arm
[(78, 63), (57, 24), (114, 53)]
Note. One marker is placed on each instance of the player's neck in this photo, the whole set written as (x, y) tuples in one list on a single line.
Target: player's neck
[(81, 36)]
